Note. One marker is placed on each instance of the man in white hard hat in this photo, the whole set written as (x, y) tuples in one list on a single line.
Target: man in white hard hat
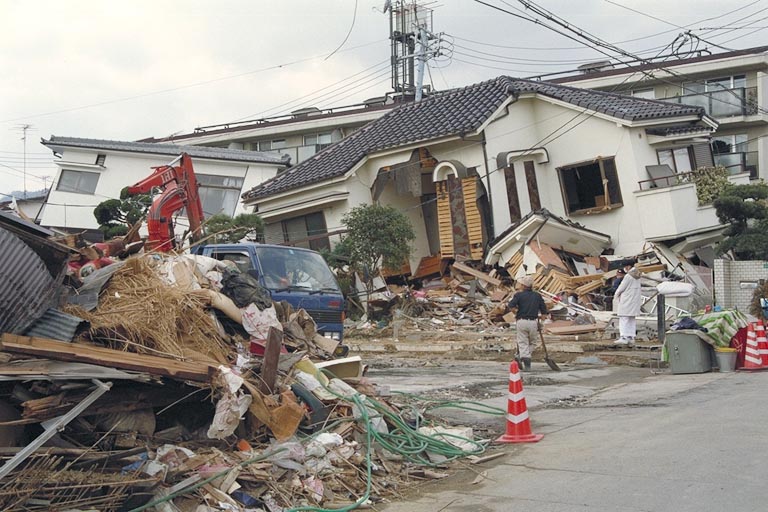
[(530, 306)]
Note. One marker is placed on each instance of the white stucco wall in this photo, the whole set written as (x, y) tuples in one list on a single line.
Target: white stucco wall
[(75, 211), (529, 123)]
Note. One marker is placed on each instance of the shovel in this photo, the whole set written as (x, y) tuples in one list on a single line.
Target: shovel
[(550, 362)]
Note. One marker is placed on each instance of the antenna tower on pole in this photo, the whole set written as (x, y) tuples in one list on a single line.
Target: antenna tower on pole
[(410, 22)]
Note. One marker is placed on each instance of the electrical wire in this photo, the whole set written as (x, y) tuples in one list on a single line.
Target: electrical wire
[(581, 47), (601, 46), (280, 106), (644, 14), (177, 88), (354, 18)]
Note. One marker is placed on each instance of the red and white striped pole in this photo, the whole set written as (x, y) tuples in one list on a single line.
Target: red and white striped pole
[(518, 422)]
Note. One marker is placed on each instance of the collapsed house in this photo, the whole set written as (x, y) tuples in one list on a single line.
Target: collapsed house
[(465, 165)]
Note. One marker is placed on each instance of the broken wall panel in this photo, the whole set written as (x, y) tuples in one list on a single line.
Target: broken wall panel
[(513, 198), (533, 185), (459, 219)]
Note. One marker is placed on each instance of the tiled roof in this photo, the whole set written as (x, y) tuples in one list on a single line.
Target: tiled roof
[(451, 113), (679, 129), (165, 149)]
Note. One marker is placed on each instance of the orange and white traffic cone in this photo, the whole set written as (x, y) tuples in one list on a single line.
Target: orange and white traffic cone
[(752, 359), (518, 422), (762, 343)]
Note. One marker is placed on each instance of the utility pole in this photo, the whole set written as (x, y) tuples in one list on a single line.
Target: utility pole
[(24, 128), (410, 22), (422, 62)]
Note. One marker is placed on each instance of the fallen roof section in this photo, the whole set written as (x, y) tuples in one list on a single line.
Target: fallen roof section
[(33, 267), (57, 143), (546, 227), (453, 113)]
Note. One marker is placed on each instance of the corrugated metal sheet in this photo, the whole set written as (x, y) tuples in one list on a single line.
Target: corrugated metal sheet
[(31, 271), (87, 296), (57, 325)]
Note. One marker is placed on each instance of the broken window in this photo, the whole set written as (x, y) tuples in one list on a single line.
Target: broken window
[(590, 185), (678, 159), (306, 231), (219, 194)]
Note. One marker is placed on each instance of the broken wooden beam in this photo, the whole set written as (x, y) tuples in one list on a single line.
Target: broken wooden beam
[(271, 359), (476, 273), (66, 351)]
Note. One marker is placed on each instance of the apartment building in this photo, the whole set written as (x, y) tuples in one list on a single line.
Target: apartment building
[(298, 135), (731, 87)]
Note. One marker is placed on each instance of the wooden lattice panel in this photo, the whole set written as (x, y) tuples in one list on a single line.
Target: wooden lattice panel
[(474, 221), (444, 221)]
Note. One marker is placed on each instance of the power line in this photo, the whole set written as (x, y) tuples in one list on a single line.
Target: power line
[(644, 14), (601, 45), (750, 15), (172, 89), (354, 18), (384, 63), (581, 47)]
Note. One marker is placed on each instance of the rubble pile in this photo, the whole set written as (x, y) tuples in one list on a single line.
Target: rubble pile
[(183, 388), (577, 288)]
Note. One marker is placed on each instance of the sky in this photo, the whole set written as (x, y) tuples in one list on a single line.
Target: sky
[(131, 70)]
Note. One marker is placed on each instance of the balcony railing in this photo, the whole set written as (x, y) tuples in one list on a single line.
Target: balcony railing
[(737, 163), (741, 101), (742, 163), (665, 181), (299, 153)]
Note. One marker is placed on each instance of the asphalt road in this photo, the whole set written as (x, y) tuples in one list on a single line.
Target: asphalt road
[(657, 443)]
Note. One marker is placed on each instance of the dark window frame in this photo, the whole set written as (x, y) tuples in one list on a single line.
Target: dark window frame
[(691, 157), (606, 165), (315, 244)]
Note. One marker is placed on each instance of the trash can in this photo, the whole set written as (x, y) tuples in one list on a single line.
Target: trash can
[(726, 358), (688, 353)]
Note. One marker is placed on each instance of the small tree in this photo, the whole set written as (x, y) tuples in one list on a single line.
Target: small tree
[(116, 215), (376, 235), (744, 210), (224, 229)]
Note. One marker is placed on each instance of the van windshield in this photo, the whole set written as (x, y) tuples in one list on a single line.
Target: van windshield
[(291, 269)]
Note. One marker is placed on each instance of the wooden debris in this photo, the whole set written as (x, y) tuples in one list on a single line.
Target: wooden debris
[(473, 459), (271, 360), (576, 329), (63, 351), (476, 273)]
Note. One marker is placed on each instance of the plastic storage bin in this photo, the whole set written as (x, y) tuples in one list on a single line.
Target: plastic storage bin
[(687, 353)]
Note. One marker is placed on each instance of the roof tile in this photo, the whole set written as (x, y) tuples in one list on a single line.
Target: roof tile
[(453, 113)]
